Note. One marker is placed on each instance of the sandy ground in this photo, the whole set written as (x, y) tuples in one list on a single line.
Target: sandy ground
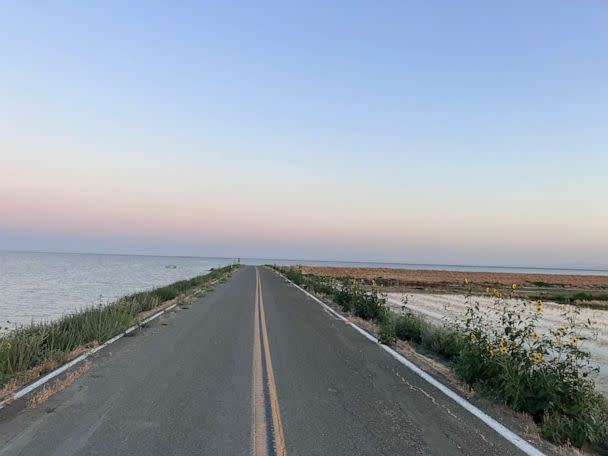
[(442, 307)]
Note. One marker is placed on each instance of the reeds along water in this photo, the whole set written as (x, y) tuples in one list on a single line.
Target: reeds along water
[(41, 344)]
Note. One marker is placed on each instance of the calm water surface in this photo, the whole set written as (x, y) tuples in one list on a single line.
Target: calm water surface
[(45, 286)]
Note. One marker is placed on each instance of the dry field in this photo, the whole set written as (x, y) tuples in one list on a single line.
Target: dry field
[(432, 277), (586, 290)]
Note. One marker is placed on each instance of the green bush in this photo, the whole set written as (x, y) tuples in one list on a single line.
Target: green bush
[(545, 375), (443, 340), (386, 331), (410, 327), (368, 305), (343, 298)]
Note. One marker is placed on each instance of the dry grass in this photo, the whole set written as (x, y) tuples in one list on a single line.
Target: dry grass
[(58, 385), (10, 388)]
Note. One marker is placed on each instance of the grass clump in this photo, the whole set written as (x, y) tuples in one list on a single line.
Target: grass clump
[(443, 340), (50, 343), (387, 333), (411, 327)]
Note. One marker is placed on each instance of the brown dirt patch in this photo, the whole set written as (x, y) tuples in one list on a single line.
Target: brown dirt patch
[(58, 385), (434, 277)]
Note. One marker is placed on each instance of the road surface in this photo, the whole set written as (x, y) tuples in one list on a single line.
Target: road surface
[(254, 368)]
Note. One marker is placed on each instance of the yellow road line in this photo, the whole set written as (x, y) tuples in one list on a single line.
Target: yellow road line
[(261, 357), (279, 438), (259, 436)]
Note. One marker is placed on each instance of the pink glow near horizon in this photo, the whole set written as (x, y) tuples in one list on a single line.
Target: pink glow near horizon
[(75, 200)]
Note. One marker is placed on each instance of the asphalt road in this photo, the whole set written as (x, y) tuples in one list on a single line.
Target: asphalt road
[(254, 368)]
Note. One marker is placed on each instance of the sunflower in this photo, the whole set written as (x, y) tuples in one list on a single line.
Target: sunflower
[(574, 340), (535, 335), (539, 306), (538, 357), (503, 349)]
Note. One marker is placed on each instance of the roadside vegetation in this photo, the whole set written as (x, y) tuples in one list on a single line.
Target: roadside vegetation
[(497, 350), (29, 351)]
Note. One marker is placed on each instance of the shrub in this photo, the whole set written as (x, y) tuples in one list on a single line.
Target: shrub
[(443, 340), (368, 305), (386, 332), (545, 375), (410, 327)]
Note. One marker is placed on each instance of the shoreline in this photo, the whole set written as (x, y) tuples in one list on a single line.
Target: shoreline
[(28, 352)]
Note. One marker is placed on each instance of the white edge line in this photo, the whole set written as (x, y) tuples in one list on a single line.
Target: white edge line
[(42, 380), (509, 435)]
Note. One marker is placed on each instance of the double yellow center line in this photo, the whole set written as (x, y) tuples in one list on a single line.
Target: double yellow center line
[(267, 437)]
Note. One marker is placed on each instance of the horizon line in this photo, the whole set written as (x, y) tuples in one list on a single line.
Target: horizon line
[(394, 263)]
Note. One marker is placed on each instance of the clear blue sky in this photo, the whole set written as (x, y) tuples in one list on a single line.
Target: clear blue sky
[(467, 132)]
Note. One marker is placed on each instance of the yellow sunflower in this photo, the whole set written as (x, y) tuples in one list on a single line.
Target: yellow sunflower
[(574, 340)]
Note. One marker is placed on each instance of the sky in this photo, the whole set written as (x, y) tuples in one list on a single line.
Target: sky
[(467, 132)]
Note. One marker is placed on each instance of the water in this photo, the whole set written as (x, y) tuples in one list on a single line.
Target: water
[(37, 287)]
